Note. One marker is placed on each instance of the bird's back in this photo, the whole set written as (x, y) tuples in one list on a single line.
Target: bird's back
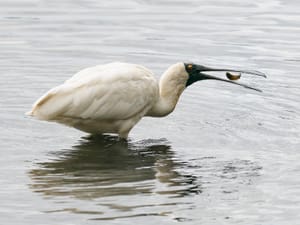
[(115, 91)]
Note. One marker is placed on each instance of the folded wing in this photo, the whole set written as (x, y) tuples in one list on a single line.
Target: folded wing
[(116, 91)]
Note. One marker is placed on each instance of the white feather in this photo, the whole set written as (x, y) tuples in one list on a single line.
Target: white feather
[(100, 93), (109, 98)]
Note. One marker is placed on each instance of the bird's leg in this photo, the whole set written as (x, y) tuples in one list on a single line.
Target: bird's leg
[(123, 135), (123, 140)]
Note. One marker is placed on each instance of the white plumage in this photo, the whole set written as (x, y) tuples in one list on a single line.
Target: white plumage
[(112, 98), (109, 98)]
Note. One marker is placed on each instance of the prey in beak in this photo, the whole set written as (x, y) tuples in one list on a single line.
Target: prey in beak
[(197, 73)]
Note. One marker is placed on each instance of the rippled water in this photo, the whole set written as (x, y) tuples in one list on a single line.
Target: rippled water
[(227, 155)]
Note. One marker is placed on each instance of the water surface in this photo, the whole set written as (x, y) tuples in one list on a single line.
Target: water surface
[(227, 155)]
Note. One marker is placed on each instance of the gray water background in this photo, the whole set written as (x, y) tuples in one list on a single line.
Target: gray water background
[(227, 155)]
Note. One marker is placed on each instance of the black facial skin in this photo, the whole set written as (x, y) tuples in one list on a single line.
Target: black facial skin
[(196, 74)]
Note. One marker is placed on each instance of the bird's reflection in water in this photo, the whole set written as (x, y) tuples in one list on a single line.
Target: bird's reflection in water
[(101, 166), (106, 179)]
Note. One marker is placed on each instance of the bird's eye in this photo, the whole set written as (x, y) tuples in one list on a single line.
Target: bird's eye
[(190, 67)]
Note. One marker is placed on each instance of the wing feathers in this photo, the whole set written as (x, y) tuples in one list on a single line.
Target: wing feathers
[(113, 91)]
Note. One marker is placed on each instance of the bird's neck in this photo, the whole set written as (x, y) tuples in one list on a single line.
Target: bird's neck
[(171, 86)]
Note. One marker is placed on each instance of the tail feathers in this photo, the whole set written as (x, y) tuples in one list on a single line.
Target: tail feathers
[(29, 113), (50, 105)]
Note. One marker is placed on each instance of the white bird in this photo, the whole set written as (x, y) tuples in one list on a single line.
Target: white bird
[(112, 98)]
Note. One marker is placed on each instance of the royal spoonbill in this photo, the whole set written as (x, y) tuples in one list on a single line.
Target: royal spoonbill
[(112, 98)]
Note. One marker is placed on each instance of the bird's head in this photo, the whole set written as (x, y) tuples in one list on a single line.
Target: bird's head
[(196, 73)]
